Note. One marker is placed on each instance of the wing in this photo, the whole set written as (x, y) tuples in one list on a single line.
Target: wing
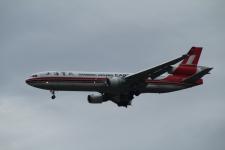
[(153, 72)]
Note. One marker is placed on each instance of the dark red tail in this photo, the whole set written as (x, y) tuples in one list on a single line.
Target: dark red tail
[(188, 70), (188, 66), (193, 56)]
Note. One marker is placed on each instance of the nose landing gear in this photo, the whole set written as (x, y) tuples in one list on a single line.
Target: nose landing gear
[(53, 94)]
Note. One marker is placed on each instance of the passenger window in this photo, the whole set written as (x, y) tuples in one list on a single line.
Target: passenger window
[(70, 73)]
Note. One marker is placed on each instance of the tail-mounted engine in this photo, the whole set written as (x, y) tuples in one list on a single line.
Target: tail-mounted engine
[(187, 70), (184, 70)]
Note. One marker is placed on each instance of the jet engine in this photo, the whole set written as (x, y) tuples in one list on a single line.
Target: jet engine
[(114, 82), (95, 99), (184, 70)]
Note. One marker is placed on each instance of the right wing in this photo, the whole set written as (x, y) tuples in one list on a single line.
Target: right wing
[(153, 72)]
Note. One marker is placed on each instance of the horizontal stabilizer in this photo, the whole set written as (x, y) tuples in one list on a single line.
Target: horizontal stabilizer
[(197, 76)]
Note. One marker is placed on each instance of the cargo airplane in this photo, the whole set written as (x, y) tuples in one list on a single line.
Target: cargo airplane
[(121, 88)]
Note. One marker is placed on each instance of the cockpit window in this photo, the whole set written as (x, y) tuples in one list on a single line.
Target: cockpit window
[(34, 76)]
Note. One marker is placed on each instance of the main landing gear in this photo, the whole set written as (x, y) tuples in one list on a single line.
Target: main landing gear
[(53, 94)]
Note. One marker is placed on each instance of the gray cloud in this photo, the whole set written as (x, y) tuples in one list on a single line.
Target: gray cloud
[(109, 36)]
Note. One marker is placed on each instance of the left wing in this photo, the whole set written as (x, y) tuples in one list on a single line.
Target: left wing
[(153, 72)]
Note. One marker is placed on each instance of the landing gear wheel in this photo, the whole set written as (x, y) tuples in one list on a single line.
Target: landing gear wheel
[(53, 94), (53, 97)]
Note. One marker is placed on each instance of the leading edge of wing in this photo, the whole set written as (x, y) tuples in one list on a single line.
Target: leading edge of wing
[(152, 71)]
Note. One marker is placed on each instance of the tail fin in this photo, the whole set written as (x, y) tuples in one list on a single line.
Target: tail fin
[(193, 56), (188, 70), (188, 66)]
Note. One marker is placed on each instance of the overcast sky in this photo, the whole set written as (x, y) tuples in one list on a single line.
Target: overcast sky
[(116, 36)]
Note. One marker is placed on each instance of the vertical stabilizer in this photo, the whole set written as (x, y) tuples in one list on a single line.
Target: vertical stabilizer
[(193, 56), (188, 66)]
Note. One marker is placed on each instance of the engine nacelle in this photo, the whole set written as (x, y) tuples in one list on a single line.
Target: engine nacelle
[(95, 99), (184, 70), (114, 82)]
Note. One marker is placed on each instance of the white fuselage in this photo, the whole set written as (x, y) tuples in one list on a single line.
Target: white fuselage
[(92, 81)]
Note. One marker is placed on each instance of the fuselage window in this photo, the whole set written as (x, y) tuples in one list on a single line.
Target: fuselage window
[(70, 74)]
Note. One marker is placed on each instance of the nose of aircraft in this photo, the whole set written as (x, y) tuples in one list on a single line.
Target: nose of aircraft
[(28, 81)]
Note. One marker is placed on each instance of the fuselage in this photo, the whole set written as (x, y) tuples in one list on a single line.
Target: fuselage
[(97, 81)]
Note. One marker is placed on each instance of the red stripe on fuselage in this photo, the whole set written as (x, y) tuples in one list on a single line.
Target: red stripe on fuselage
[(67, 79)]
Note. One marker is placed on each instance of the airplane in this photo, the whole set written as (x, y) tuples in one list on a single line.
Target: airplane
[(121, 88)]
